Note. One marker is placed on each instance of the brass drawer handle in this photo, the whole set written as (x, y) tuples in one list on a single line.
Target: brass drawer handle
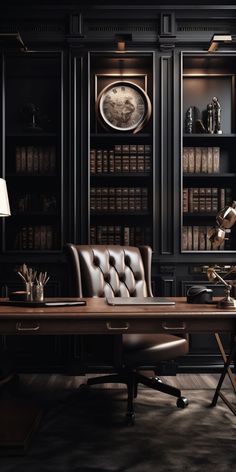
[(181, 327), (19, 327), (117, 328)]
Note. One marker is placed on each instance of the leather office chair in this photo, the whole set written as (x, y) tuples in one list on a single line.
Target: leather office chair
[(116, 271)]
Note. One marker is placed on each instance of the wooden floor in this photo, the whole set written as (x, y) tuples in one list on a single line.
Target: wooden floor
[(182, 381)]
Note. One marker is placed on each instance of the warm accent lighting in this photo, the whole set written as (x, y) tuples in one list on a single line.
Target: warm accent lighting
[(218, 39), (4, 202), (121, 45), (121, 41)]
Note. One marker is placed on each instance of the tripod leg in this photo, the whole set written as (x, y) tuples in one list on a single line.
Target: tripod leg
[(224, 372)]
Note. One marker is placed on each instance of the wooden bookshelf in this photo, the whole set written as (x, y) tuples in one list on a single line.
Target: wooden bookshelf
[(208, 154), (121, 163), (32, 90)]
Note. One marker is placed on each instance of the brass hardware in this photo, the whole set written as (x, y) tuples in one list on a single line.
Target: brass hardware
[(174, 328), (19, 327), (117, 328)]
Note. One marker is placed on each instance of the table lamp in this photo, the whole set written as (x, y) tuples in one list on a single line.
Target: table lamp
[(227, 301), (4, 202), (225, 219)]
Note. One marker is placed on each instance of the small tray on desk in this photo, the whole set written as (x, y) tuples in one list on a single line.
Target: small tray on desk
[(53, 302)]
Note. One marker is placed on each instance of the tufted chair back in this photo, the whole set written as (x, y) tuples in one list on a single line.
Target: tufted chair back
[(111, 271)]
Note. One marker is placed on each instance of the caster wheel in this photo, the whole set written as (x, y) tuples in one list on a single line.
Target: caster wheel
[(130, 419), (182, 402), (158, 379)]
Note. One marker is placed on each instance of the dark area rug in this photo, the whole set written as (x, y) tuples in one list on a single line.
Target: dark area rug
[(87, 433)]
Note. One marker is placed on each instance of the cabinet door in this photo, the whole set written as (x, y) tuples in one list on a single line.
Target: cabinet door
[(32, 157), (208, 148)]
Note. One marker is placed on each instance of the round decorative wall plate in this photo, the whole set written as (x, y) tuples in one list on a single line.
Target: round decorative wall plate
[(124, 106)]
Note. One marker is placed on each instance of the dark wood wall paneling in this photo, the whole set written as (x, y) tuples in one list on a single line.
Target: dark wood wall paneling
[(76, 31)]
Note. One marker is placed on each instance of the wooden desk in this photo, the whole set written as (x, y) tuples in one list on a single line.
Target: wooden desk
[(97, 317)]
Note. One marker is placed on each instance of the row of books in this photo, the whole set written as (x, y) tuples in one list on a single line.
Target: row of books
[(127, 235), (194, 238), (205, 199), (35, 202), (122, 158), (201, 159), (35, 159), (114, 199), (42, 237)]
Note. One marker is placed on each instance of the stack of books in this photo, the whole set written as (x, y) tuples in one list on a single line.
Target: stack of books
[(122, 158), (119, 199), (201, 160), (35, 159)]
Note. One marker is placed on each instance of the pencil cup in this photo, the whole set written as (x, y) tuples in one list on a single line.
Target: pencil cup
[(29, 291), (38, 293)]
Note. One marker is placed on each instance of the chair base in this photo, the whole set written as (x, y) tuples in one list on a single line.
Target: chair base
[(132, 379)]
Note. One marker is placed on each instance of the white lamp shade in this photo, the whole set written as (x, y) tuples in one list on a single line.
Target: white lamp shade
[(4, 202)]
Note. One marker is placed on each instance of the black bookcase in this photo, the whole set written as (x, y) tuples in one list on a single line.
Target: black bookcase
[(32, 151), (208, 156), (121, 159)]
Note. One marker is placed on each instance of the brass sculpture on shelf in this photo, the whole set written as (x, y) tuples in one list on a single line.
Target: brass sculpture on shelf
[(189, 120), (216, 115), (210, 122)]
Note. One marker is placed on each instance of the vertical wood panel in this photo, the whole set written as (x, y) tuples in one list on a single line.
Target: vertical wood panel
[(78, 152), (166, 228), (168, 286)]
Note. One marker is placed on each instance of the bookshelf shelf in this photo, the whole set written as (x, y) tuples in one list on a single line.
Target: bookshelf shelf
[(119, 175), (121, 136), (200, 175), (199, 215), (33, 214), (30, 134), (120, 213), (24, 175), (209, 136)]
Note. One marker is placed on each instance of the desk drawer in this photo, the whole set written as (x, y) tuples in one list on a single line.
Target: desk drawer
[(70, 326)]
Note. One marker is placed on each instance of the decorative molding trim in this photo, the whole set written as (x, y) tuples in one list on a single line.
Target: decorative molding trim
[(168, 286), (206, 26), (76, 26), (167, 36), (33, 26), (142, 31)]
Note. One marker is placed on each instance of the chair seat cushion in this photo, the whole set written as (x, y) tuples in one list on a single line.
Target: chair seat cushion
[(149, 349)]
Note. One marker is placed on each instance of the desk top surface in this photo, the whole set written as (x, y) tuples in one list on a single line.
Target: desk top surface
[(98, 308)]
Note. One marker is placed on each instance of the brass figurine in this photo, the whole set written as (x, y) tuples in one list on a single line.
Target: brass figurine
[(210, 122), (216, 115)]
